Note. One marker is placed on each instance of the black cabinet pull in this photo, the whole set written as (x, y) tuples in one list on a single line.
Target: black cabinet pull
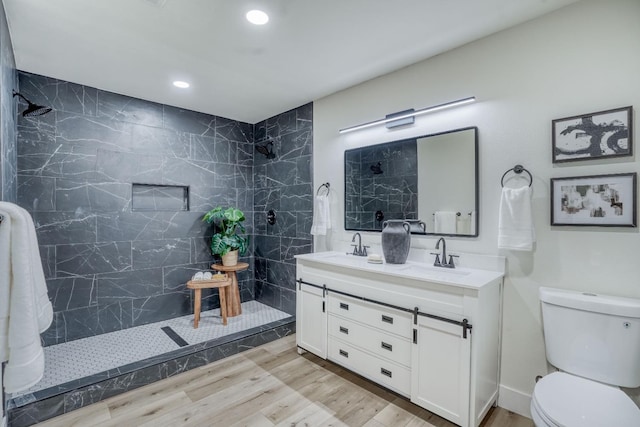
[(386, 346), (386, 372), (344, 353), (344, 306), (344, 330), (387, 319)]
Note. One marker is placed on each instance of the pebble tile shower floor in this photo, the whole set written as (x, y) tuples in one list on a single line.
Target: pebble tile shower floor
[(88, 356)]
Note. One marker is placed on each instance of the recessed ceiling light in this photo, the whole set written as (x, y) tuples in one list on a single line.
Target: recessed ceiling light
[(257, 17), (181, 84)]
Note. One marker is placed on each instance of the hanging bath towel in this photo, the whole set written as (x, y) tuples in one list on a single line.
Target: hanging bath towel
[(515, 222), (321, 215), (25, 309)]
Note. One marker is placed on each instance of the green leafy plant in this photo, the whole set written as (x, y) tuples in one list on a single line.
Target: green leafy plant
[(229, 229)]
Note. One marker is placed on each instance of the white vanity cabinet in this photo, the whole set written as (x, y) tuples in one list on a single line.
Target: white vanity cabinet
[(429, 335), (311, 323)]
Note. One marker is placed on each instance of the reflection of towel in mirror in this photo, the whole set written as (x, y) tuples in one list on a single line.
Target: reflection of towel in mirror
[(515, 221), (463, 225), (25, 309), (444, 222), (472, 223), (321, 215)]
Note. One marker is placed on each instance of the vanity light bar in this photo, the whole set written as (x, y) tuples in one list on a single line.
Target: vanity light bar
[(393, 118)]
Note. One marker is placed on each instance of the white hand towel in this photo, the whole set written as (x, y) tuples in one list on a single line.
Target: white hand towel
[(29, 311), (444, 222), (515, 222), (321, 215)]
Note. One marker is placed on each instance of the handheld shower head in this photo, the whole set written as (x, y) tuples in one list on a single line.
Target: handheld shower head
[(32, 110)]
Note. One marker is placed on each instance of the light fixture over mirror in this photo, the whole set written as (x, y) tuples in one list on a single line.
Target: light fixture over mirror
[(431, 178), (402, 117)]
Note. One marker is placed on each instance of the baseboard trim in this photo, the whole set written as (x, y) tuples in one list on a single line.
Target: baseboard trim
[(515, 401)]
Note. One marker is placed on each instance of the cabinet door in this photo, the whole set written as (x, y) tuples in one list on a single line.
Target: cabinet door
[(311, 320), (440, 369)]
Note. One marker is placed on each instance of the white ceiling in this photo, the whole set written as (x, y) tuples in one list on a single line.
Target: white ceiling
[(309, 48)]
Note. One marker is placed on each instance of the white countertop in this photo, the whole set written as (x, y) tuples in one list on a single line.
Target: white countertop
[(463, 277)]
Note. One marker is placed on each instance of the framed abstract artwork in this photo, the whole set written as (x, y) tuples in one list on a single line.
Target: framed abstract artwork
[(598, 135), (600, 200)]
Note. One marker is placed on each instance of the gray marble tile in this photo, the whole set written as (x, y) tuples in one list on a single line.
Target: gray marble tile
[(281, 274), (185, 171), (128, 285), (157, 141), (127, 109), (58, 94), (78, 323), (294, 145), (188, 121), (72, 195), (232, 130), (288, 301), (160, 307), (210, 149), (159, 253), (297, 198), (36, 193), (291, 247), (72, 292), (115, 316), (83, 259), (118, 166), (56, 228)]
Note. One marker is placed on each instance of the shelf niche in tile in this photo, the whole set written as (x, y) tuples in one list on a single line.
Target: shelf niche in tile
[(153, 197)]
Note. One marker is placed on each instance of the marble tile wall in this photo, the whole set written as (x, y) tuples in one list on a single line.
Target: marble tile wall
[(283, 184), (108, 267), (8, 115)]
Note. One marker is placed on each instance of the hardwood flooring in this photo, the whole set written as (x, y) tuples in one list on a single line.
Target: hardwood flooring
[(267, 386)]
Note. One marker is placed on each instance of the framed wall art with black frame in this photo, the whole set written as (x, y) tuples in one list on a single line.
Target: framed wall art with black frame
[(600, 135), (596, 200)]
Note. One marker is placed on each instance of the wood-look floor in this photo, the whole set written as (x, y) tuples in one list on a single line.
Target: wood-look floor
[(267, 386)]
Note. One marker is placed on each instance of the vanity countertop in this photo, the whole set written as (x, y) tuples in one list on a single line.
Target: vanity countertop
[(471, 278)]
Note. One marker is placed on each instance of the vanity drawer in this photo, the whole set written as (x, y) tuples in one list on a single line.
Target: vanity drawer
[(383, 372), (377, 342), (374, 315)]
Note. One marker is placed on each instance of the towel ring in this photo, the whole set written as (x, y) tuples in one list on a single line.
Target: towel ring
[(517, 169), (325, 185)]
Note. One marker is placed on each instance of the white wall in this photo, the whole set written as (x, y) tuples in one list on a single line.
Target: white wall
[(583, 58)]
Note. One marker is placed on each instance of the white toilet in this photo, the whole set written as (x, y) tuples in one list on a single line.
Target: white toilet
[(595, 342)]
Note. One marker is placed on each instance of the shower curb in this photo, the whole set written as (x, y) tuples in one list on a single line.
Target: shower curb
[(143, 373)]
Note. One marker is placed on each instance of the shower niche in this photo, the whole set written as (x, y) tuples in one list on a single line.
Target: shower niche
[(155, 197)]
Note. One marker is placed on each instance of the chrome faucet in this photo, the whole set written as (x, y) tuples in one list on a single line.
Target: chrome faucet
[(442, 261), (359, 250)]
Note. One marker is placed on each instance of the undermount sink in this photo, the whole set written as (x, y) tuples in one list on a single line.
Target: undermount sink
[(433, 270), (411, 268)]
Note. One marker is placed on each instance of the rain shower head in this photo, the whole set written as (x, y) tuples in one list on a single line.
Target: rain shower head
[(266, 149), (32, 110)]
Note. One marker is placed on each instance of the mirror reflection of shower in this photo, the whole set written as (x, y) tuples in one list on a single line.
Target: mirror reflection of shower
[(377, 169), (33, 110)]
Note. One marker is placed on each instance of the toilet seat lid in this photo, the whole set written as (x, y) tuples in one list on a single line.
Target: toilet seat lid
[(568, 400)]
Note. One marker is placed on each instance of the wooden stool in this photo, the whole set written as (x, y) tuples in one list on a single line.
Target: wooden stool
[(220, 281), (233, 302)]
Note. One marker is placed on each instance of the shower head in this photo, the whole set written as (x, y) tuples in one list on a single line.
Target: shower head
[(32, 110), (266, 150)]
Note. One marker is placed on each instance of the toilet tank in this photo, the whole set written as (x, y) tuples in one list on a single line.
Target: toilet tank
[(593, 336)]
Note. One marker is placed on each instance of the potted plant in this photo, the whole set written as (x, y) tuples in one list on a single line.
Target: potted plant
[(228, 238)]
